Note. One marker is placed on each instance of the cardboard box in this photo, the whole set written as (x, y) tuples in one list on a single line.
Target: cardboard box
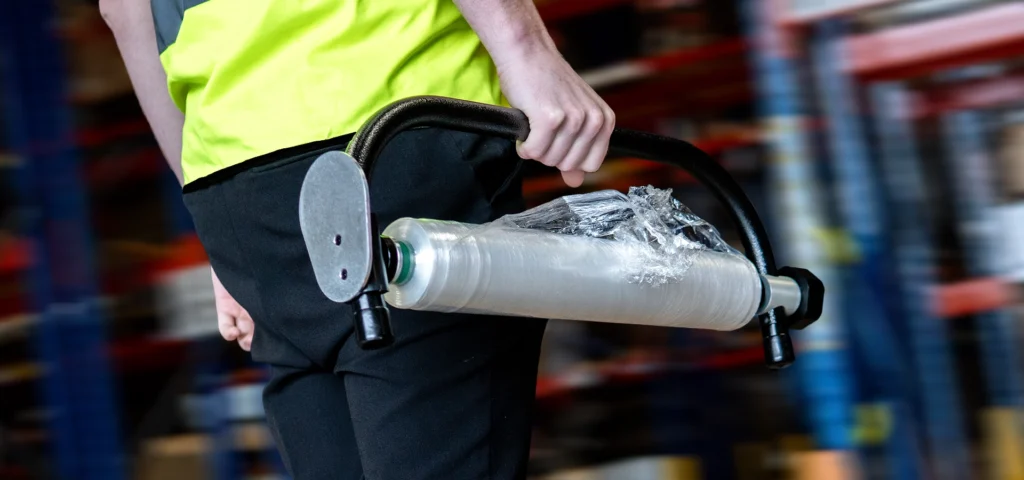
[(175, 458)]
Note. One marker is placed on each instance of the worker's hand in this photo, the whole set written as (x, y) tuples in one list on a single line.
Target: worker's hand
[(569, 123), (233, 321)]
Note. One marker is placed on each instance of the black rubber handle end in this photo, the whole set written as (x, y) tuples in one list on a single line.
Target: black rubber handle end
[(778, 351), (812, 297), (373, 322), (778, 346)]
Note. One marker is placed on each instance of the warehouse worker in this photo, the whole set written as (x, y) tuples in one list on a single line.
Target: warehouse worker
[(243, 95)]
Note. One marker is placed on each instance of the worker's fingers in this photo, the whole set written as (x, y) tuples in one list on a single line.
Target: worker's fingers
[(226, 326), (573, 178), (584, 141), (246, 328), (604, 122), (599, 149), (564, 140), (543, 128), (233, 321), (225, 313)]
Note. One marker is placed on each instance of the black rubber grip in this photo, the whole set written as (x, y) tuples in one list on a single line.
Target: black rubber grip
[(430, 111)]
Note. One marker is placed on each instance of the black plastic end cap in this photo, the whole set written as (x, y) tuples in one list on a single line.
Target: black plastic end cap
[(778, 351), (373, 323), (812, 297)]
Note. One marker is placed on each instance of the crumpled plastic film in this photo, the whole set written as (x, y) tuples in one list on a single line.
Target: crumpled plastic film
[(638, 258), (664, 230)]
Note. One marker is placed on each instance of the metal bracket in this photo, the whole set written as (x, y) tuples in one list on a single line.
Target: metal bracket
[(334, 215)]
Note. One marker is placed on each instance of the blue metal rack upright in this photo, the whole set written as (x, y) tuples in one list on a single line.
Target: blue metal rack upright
[(77, 384), (885, 373), (822, 367), (971, 166), (930, 345)]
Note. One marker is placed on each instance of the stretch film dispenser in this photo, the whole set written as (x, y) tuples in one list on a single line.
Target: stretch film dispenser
[(638, 257)]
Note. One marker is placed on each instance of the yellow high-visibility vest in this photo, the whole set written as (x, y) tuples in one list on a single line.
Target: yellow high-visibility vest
[(256, 76)]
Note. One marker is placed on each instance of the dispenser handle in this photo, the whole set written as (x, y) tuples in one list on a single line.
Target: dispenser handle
[(432, 111), (512, 124)]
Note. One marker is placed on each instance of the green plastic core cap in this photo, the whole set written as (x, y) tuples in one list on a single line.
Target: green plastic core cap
[(405, 270)]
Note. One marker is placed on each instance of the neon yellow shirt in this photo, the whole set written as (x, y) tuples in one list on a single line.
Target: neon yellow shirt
[(255, 76)]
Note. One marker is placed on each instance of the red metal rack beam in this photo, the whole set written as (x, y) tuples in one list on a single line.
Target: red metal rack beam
[(140, 354), (790, 17), (142, 164), (620, 174), (987, 93), (98, 136), (15, 255), (557, 10), (641, 68), (627, 372), (912, 50)]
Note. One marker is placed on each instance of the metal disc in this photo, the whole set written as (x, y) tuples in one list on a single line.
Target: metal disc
[(334, 214)]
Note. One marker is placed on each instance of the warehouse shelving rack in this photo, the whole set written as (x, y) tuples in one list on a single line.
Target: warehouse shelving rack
[(915, 258), (883, 378), (77, 385), (881, 61), (825, 376)]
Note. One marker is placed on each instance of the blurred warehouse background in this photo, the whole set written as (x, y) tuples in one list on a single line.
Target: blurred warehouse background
[(882, 141)]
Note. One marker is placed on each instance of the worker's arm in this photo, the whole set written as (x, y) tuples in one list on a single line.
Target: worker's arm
[(131, 21), (569, 123)]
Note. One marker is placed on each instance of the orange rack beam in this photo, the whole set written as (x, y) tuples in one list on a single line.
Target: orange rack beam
[(912, 50), (972, 296)]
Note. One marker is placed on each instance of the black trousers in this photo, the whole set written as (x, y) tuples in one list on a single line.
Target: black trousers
[(452, 398)]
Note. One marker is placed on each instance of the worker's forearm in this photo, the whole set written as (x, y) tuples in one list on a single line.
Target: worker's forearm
[(511, 30), (131, 21)]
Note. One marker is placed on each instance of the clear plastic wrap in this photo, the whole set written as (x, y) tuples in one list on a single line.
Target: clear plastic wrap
[(663, 230), (639, 258)]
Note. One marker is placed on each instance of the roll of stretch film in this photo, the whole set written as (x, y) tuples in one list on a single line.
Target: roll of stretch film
[(512, 271)]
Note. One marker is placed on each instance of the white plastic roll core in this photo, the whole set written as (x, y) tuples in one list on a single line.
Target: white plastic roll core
[(509, 271)]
